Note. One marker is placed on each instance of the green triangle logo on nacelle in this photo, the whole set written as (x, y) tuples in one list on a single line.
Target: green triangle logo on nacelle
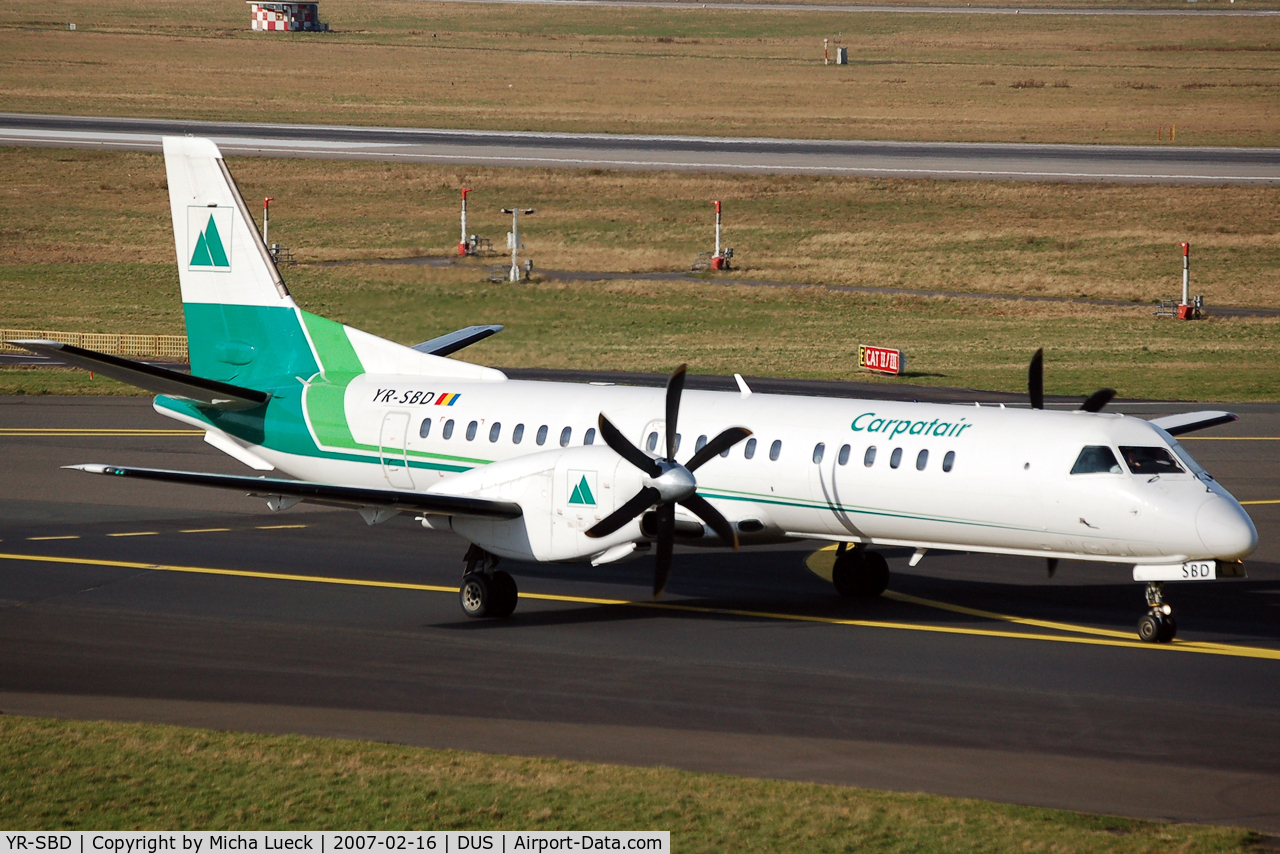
[(581, 493), (209, 251)]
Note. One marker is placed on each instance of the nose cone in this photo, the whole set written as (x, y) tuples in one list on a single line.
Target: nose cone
[(1225, 529)]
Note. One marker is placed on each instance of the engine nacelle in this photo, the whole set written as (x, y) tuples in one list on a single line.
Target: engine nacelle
[(562, 492)]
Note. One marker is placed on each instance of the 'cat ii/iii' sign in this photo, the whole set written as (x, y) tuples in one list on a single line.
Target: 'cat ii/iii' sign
[(882, 360)]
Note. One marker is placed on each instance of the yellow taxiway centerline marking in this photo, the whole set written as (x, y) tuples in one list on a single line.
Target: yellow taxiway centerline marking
[(63, 537), (203, 530), (278, 527), (1268, 501), (136, 534), (1178, 646)]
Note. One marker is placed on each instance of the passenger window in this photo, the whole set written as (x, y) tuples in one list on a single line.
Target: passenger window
[(590, 438), (448, 429), (495, 431), (869, 458), (425, 430), (922, 460), (843, 458), (542, 435), (471, 430), (652, 444), (700, 444), (1149, 460), (725, 452), (565, 435), (818, 450), (948, 461), (1095, 459), (750, 450), (895, 459), (517, 434), (775, 449)]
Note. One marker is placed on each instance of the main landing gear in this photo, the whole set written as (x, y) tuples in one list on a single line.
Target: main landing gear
[(486, 591), (858, 573), (1158, 624)]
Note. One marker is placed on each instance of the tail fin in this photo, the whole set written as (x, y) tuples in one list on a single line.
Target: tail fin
[(241, 322), (242, 325)]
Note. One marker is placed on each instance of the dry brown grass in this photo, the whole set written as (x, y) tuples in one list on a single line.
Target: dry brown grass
[(654, 71), (1072, 240)]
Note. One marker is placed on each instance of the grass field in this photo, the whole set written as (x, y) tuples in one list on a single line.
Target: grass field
[(99, 258), (928, 77), (103, 776)]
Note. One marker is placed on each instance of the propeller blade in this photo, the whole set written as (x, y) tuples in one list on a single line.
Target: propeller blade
[(712, 517), (1098, 399), (640, 502), (1035, 380), (675, 387), (726, 439), (622, 447), (1053, 566), (666, 542)]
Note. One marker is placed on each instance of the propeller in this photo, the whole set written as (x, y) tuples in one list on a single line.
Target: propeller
[(667, 483), (1035, 387)]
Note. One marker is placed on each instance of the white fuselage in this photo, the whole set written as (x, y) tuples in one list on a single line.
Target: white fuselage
[(940, 476)]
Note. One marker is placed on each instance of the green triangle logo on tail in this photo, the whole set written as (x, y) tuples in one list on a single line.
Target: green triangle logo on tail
[(582, 493), (209, 249)]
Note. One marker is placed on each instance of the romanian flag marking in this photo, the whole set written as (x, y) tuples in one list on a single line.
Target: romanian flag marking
[(447, 399)]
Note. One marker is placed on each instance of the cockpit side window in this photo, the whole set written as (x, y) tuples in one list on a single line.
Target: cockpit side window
[(1095, 459), (1149, 460)]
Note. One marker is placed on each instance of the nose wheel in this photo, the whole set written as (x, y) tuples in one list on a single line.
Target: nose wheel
[(486, 591), (1158, 624), (858, 573)]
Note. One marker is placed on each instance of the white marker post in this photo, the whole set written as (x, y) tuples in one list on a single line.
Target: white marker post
[(462, 244), (266, 217), (1186, 272), (515, 238)]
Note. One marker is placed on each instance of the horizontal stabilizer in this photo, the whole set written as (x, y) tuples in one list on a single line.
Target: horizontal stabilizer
[(1189, 422), (155, 379), (455, 341), (323, 493)]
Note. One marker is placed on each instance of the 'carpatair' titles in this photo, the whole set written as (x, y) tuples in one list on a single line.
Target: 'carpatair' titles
[(869, 423), (415, 398)]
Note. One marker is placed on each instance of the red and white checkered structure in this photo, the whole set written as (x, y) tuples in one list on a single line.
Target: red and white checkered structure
[(284, 17)]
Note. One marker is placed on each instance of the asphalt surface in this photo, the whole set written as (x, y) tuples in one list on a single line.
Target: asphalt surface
[(978, 161), (98, 623)]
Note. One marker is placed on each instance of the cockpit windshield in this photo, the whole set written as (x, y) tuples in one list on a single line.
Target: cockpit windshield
[(1095, 459), (1143, 460)]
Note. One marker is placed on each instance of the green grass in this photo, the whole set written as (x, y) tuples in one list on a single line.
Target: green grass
[(105, 776)]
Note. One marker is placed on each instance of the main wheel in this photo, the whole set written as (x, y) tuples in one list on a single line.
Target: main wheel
[(507, 595), (478, 595), (846, 574), (875, 574), (1149, 629)]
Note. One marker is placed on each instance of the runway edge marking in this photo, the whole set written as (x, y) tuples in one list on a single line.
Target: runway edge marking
[(1176, 646)]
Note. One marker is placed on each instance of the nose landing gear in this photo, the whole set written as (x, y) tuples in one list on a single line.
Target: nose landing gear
[(486, 591), (858, 573), (1158, 624)]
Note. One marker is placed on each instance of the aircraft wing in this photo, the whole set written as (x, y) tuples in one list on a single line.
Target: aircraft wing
[(212, 393), (1189, 422), (455, 341), (323, 493)]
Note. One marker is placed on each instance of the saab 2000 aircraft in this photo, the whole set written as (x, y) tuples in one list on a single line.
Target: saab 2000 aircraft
[(555, 472)]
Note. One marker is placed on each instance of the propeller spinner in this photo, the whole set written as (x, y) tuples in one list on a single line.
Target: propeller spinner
[(668, 483)]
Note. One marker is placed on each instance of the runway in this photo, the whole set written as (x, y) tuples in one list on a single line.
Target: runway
[(883, 159), (976, 676)]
